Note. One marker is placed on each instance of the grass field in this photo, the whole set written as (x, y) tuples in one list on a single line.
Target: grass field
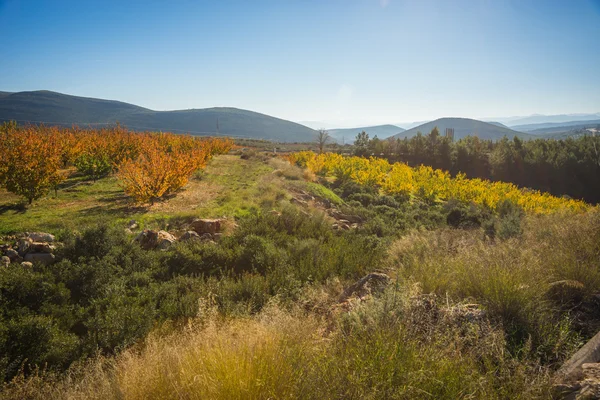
[(229, 186)]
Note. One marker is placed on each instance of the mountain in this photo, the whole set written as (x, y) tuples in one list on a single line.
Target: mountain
[(348, 134), (464, 127), (513, 122), (565, 131), (54, 108), (554, 126), (497, 124)]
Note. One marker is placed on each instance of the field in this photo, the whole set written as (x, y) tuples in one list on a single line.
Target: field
[(462, 297)]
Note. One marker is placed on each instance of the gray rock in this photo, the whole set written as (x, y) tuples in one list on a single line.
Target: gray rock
[(23, 245), (5, 261), (41, 237), (149, 239), (189, 235), (12, 254), (26, 264), (42, 258), (206, 236), (132, 225), (372, 283), (40, 247)]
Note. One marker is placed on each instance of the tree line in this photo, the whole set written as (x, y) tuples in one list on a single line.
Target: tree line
[(561, 167)]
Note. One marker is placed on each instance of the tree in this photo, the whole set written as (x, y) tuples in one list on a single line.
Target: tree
[(361, 144), (31, 158), (322, 139)]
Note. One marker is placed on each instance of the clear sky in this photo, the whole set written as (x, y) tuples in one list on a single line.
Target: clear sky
[(343, 62)]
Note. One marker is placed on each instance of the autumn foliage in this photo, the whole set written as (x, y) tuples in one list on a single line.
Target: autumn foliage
[(30, 161), (35, 159), (424, 182)]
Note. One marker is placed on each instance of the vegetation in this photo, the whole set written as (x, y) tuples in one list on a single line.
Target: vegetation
[(492, 286), (559, 167)]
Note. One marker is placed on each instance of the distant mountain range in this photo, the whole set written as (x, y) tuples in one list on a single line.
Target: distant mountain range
[(465, 127), (53, 108), (551, 127), (513, 122), (348, 135)]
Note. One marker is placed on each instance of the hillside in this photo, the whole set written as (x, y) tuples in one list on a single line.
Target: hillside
[(381, 131), (514, 122), (464, 127), (537, 129), (61, 109)]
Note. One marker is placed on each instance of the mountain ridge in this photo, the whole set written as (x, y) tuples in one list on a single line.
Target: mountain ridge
[(464, 127), (61, 109)]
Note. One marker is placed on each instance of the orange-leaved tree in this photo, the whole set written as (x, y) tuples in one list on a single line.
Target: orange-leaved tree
[(31, 158), (165, 164)]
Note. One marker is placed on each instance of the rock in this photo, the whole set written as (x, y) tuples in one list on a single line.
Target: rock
[(23, 245), (26, 264), (41, 237), (217, 236), (202, 226), (345, 226), (189, 235), (206, 236), (132, 225), (42, 258), (149, 239), (165, 240), (40, 247), (372, 283), (5, 261), (300, 202), (12, 254)]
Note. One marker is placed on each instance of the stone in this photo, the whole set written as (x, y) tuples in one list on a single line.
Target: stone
[(165, 240), (12, 254), (149, 239), (189, 235), (23, 245), (217, 236), (5, 261), (41, 237), (206, 236), (26, 264), (132, 225), (372, 283), (40, 247), (42, 258), (202, 226)]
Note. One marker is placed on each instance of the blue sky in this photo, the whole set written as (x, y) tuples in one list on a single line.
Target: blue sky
[(343, 62)]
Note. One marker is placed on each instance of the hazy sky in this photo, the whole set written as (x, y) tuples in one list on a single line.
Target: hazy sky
[(339, 61)]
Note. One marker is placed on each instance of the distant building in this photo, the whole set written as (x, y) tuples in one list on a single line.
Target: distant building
[(450, 134)]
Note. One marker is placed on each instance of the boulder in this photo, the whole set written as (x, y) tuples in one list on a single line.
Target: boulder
[(26, 264), (41, 237), (42, 258), (149, 239), (40, 247), (202, 226), (12, 254), (5, 261), (132, 225), (189, 235), (370, 284), (206, 237), (23, 245), (165, 240)]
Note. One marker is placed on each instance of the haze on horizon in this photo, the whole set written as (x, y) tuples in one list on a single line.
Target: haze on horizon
[(342, 62)]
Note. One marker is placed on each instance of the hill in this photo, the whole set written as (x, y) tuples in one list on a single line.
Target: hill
[(381, 131), (553, 127), (61, 109), (514, 122), (464, 127)]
